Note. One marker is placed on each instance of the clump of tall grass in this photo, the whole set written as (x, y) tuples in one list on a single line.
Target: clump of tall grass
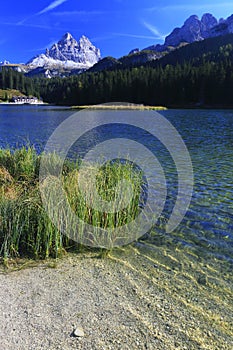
[(21, 163), (121, 209), (108, 177), (25, 227)]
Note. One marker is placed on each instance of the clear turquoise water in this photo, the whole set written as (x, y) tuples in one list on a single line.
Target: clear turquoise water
[(208, 225), (208, 134)]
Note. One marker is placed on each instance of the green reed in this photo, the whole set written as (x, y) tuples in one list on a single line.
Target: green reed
[(107, 179), (25, 227)]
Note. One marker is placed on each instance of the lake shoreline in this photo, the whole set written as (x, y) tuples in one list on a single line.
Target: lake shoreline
[(123, 107), (23, 104), (167, 291), (133, 299)]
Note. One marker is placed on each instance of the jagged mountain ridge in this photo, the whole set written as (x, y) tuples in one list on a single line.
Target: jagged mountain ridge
[(68, 53), (212, 49), (195, 29), (69, 56)]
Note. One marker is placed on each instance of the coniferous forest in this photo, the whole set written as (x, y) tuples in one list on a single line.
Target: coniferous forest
[(199, 74)]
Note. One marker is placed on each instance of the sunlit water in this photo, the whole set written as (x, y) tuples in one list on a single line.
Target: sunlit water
[(208, 134)]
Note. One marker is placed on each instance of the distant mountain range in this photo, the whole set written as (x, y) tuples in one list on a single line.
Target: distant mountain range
[(69, 56), (64, 57), (193, 30)]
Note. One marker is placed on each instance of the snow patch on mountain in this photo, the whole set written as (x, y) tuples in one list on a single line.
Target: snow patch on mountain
[(68, 53)]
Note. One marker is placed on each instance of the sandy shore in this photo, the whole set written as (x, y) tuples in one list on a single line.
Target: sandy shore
[(154, 298)]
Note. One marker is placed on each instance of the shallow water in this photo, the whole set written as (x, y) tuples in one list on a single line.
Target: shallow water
[(207, 227)]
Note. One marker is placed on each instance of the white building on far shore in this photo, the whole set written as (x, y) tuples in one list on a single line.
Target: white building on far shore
[(26, 100)]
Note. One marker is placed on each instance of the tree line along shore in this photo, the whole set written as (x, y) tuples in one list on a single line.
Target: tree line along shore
[(191, 77)]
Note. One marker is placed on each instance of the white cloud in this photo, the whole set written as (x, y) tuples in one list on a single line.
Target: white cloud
[(78, 13), (52, 6), (48, 8), (154, 30), (193, 7), (101, 38), (134, 36), (49, 45), (40, 26)]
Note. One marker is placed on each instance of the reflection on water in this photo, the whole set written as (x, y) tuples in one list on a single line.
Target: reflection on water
[(208, 224)]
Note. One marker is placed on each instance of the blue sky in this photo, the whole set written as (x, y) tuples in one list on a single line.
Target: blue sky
[(115, 26)]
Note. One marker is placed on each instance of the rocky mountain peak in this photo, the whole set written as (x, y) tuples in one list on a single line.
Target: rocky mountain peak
[(84, 40), (192, 19), (208, 20), (66, 40), (193, 29), (69, 52), (67, 36)]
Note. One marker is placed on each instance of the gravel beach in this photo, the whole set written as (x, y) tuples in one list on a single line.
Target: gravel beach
[(137, 298)]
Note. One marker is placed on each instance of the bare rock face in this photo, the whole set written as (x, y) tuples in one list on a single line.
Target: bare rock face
[(68, 53), (225, 26), (82, 51), (193, 29), (209, 21)]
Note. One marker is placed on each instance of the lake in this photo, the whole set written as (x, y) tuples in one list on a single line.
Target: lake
[(207, 227)]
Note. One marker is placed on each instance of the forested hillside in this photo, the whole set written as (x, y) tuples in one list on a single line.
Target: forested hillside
[(13, 80), (199, 74), (195, 75)]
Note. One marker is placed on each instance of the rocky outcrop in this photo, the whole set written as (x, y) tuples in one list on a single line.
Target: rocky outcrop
[(224, 27), (132, 52), (106, 63), (140, 57)]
